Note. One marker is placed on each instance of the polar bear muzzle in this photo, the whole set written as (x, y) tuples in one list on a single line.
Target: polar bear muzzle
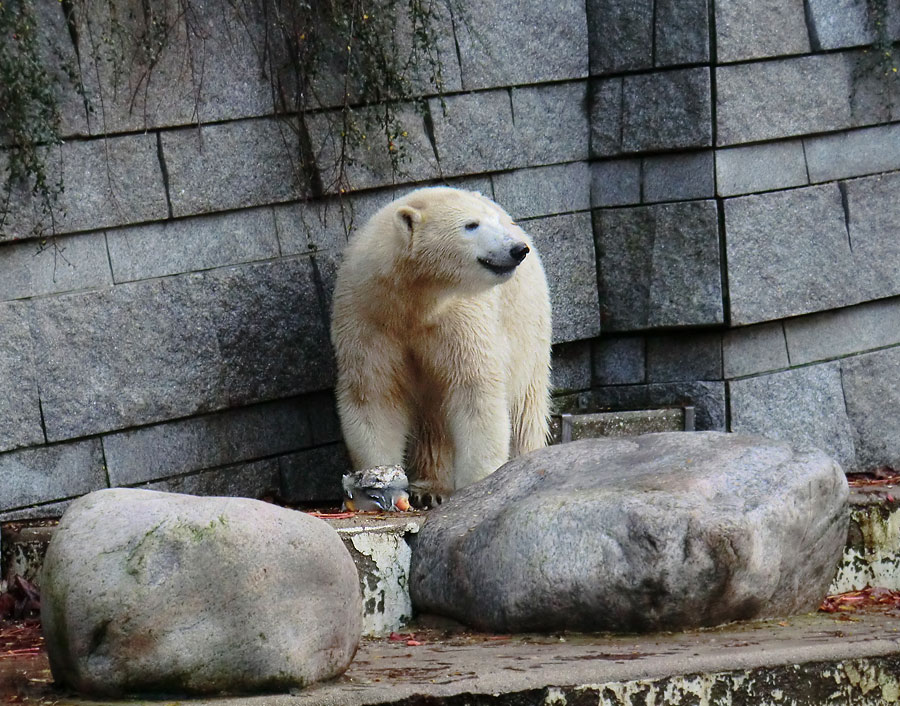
[(508, 262)]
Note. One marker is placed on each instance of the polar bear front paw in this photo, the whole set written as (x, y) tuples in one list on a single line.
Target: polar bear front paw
[(424, 496)]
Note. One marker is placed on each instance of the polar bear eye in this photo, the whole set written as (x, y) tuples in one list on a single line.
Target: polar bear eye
[(472, 225)]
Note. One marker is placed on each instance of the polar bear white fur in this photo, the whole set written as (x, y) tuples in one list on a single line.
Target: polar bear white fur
[(441, 328)]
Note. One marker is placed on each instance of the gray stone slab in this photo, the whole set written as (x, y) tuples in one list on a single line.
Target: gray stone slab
[(544, 191), (659, 266), (708, 399), (804, 406), (873, 212), (20, 414), (373, 155), (200, 443), (155, 350), (567, 252), (872, 390), (172, 247), (571, 367), (36, 512), (324, 425), (232, 165), (681, 32), (750, 30), (667, 110), (788, 254), (679, 177), (257, 479), (783, 98), (754, 349), (616, 182), (510, 43), (853, 153), (764, 167), (833, 334), (38, 475), (685, 357), (840, 23), (463, 149), (56, 265), (606, 117), (551, 123), (621, 35), (314, 475), (620, 360)]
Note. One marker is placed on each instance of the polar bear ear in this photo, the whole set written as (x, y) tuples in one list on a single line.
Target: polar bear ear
[(410, 217)]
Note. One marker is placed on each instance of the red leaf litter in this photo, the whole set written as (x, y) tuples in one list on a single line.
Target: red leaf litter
[(408, 638), (873, 598), (883, 476), (20, 639)]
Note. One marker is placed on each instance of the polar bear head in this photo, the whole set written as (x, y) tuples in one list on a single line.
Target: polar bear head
[(457, 236)]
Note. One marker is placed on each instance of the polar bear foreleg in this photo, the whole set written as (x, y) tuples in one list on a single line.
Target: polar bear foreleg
[(479, 430)]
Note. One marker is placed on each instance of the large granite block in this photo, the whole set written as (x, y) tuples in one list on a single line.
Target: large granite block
[(788, 254), (684, 357), (872, 390), (749, 30), (873, 212), (847, 23), (707, 398), (659, 265), (62, 264), (202, 165), (511, 43), (20, 414), (754, 349), (681, 32), (570, 369), (621, 35), (765, 167), (853, 153), (39, 475), (804, 406), (567, 253), (213, 440), (605, 107), (314, 475), (172, 247), (544, 191), (679, 177), (257, 479), (616, 182), (620, 360), (551, 123), (172, 347), (832, 334)]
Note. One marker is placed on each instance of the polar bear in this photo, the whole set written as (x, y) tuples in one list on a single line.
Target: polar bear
[(441, 329)]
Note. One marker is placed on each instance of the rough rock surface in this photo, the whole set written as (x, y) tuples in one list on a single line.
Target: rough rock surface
[(148, 592), (662, 531)]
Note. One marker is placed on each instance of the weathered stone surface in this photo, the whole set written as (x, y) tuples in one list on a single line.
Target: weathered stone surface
[(39, 475), (840, 23), (621, 35), (661, 531), (45, 267), (151, 351), (173, 247), (606, 116), (872, 390), (804, 406), (707, 398), (20, 412), (754, 349), (551, 123), (616, 182), (265, 149), (679, 177), (788, 254), (571, 367), (257, 479), (873, 212), (620, 360), (544, 191), (256, 597), (842, 332), (684, 357), (511, 43), (659, 265), (567, 253), (853, 153), (749, 30), (314, 475), (775, 165), (681, 32), (206, 442)]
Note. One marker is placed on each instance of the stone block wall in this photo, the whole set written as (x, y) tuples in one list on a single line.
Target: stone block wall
[(712, 184)]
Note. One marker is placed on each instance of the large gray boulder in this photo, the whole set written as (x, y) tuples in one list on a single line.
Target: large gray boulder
[(661, 531), (148, 592)]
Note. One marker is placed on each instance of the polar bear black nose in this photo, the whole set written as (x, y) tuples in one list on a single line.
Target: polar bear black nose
[(518, 252)]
